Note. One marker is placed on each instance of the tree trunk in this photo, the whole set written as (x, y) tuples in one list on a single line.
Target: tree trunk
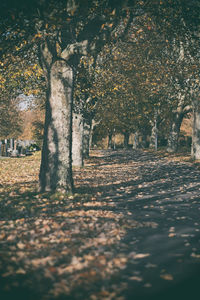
[(87, 139), (126, 139), (136, 141), (142, 141), (154, 134), (114, 142), (12, 144), (172, 143), (77, 140), (56, 164), (195, 150), (110, 140)]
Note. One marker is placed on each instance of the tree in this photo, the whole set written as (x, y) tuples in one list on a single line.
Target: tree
[(158, 81), (130, 80), (60, 55), (64, 31), (10, 121), (179, 21), (182, 65), (20, 73)]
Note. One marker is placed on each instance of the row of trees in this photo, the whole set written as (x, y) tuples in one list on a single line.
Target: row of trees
[(129, 65), (137, 87), (147, 89)]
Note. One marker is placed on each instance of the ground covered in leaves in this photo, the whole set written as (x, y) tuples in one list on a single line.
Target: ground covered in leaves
[(131, 231)]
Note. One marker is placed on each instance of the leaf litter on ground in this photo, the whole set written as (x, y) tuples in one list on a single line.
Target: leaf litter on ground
[(109, 240)]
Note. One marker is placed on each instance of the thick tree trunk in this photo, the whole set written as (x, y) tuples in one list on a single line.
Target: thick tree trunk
[(172, 143), (77, 140), (56, 164), (195, 150)]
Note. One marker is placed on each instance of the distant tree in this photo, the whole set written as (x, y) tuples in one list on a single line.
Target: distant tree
[(10, 119), (151, 73), (179, 21)]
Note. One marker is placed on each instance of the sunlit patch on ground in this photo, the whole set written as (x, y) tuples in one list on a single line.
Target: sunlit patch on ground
[(130, 231)]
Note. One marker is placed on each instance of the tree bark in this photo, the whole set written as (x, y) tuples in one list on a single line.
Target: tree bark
[(136, 141), (110, 140), (77, 140), (172, 143), (56, 164), (126, 139), (87, 138), (142, 141), (154, 135), (195, 150)]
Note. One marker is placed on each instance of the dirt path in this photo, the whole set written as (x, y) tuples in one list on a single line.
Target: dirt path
[(132, 231)]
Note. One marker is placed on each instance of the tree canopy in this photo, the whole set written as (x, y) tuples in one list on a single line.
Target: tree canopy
[(149, 64)]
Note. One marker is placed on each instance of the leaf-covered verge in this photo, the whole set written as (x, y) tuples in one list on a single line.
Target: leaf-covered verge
[(131, 230)]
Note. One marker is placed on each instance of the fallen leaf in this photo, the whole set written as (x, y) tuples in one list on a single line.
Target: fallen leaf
[(20, 271), (195, 255), (167, 276), (138, 255), (171, 234), (2, 236), (41, 261), (11, 237), (148, 285), (21, 246), (136, 278)]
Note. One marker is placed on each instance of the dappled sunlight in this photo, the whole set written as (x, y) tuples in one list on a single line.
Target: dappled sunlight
[(130, 230)]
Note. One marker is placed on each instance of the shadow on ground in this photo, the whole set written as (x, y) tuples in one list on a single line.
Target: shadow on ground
[(131, 231)]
